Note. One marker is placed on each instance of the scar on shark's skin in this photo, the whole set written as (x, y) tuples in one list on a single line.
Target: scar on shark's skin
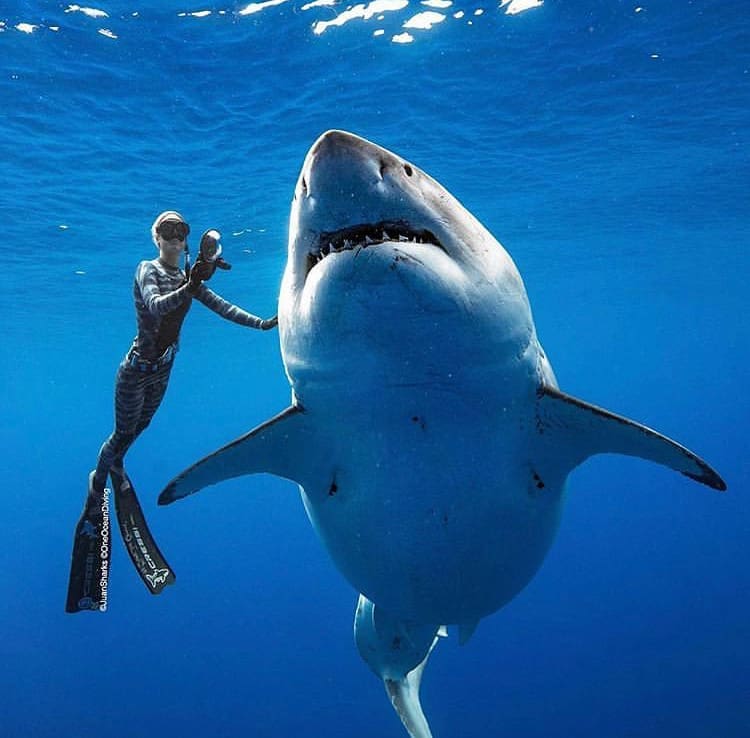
[(394, 296)]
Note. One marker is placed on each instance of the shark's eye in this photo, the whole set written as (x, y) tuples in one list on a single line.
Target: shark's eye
[(409, 171), (304, 185)]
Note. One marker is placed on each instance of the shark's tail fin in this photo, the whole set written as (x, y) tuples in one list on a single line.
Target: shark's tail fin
[(397, 652), (576, 430)]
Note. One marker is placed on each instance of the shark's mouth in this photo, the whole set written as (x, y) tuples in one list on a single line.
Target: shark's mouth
[(369, 234)]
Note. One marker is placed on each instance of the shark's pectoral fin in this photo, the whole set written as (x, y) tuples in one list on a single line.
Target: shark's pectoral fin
[(572, 430), (397, 652), (271, 448)]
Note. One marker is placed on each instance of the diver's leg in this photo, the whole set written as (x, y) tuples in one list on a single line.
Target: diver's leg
[(153, 393), (142, 548), (130, 393), (137, 399), (89, 563)]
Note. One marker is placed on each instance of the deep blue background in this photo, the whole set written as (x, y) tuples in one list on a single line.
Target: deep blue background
[(607, 148)]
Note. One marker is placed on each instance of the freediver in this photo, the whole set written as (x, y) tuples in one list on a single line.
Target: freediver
[(163, 294)]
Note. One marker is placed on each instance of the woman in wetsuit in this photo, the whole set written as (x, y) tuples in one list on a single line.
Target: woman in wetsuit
[(163, 294)]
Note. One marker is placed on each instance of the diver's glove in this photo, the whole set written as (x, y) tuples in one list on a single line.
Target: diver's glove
[(201, 272), (266, 325)]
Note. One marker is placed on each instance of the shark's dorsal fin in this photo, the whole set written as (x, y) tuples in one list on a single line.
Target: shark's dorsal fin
[(576, 430), (270, 447)]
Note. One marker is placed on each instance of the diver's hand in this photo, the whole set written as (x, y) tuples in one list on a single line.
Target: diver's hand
[(201, 272), (266, 325)]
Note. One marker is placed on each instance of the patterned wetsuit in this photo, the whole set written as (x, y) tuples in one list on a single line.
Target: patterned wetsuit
[(162, 301)]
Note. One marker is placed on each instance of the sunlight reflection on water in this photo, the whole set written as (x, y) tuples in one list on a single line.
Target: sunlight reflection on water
[(331, 14)]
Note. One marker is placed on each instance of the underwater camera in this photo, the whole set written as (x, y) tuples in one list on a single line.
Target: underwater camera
[(210, 249)]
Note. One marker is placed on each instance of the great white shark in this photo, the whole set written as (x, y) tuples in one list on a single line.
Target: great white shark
[(426, 430)]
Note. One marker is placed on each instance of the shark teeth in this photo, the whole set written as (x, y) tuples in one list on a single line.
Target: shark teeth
[(369, 234)]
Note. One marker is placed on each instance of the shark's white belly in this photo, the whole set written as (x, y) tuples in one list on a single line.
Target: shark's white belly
[(437, 519)]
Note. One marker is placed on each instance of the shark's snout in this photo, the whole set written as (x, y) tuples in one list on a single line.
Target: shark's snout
[(345, 154), (335, 143), (352, 195), (334, 140), (338, 161)]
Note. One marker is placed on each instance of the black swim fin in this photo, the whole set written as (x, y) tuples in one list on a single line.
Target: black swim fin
[(89, 563), (144, 553)]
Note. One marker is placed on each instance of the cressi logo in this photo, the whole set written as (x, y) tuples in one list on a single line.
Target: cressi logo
[(88, 529), (158, 577)]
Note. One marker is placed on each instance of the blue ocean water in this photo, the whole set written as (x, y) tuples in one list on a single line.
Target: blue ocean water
[(604, 143)]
